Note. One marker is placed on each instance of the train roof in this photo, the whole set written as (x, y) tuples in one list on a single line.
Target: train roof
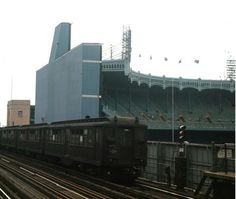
[(83, 122)]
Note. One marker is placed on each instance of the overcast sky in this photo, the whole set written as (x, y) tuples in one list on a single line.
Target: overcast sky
[(175, 29)]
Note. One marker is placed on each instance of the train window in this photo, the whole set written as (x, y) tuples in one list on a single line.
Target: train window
[(11, 135), (91, 137), (75, 136), (82, 137), (22, 136), (31, 135), (56, 136), (50, 136), (34, 135), (4, 134), (85, 132), (97, 136)]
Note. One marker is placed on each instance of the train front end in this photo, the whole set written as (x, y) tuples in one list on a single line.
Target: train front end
[(125, 148)]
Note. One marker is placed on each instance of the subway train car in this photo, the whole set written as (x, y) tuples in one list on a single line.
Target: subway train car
[(111, 146)]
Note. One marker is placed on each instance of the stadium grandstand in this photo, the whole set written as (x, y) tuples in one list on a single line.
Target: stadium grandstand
[(206, 107)]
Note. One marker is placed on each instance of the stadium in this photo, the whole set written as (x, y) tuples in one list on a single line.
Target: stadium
[(205, 107)]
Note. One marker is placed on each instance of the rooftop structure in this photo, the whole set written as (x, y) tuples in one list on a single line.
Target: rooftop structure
[(61, 41)]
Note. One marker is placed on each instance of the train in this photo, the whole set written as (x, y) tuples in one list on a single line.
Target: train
[(112, 147)]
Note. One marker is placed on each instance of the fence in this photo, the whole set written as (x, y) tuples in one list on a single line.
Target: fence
[(200, 157)]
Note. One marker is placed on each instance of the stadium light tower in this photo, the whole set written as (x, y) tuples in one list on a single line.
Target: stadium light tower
[(230, 68), (126, 43)]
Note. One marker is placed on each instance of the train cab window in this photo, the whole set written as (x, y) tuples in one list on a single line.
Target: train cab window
[(140, 135), (125, 136), (111, 135)]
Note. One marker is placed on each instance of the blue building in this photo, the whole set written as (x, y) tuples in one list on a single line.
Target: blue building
[(64, 90)]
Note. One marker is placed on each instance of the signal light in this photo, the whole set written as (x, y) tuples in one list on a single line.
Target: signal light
[(182, 133)]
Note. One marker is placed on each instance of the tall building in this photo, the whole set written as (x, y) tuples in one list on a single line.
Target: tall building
[(18, 112), (68, 87)]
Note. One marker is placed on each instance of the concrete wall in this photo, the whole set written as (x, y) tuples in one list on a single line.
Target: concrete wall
[(69, 87), (200, 157)]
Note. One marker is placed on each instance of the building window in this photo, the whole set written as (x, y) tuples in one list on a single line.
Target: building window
[(20, 113)]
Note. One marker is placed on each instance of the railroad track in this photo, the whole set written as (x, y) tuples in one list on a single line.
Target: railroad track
[(72, 180), (3, 194), (145, 184), (43, 185), (105, 188)]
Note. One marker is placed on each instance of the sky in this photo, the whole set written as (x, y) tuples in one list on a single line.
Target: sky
[(178, 30)]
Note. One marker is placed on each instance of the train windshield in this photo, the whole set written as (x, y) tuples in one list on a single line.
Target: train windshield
[(120, 135), (125, 136)]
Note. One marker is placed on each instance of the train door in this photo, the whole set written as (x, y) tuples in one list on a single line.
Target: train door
[(17, 133), (66, 144), (43, 139), (110, 146), (98, 145), (140, 145), (125, 138)]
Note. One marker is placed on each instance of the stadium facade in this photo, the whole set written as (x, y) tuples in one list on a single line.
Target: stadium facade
[(206, 107)]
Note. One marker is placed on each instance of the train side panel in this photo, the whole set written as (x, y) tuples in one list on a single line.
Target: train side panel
[(140, 146), (8, 138), (55, 142), (115, 147), (35, 141)]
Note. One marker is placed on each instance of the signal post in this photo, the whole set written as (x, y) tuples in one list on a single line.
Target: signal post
[(181, 161)]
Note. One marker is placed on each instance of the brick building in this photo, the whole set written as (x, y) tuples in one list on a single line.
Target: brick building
[(18, 112)]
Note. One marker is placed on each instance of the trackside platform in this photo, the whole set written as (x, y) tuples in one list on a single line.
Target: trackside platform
[(222, 184)]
